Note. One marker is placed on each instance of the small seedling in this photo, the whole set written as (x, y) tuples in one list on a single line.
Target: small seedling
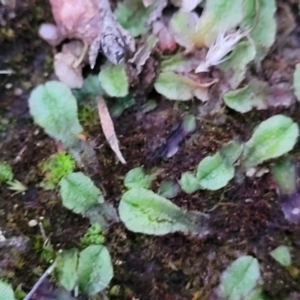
[(90, 270), (6, 173), (282, 255), (55, 168), (93, 236), (137, 177), (16, 186)]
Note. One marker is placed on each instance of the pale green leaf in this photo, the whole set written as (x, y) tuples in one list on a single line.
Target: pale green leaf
[(178, 87), (179, 63), (282, 255), (254, 94), (189, 123), (231, 152), (133, 16), (171, 86), (256, 294), (168, 189), (219, 16), (95, 269), (6, 173), (79, 193), (6, 291), (67, 268), (114, 80), (214, 173), (189, 183), (263, 34), (239, 279), (138, 178), (183, 25), (285, 175), (149, 106), (235, 67), (143, 211), (91, 88), (297, 82), (54, 108), (272, 138)]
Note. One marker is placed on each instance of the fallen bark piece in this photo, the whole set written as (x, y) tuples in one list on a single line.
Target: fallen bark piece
[(108, 129)]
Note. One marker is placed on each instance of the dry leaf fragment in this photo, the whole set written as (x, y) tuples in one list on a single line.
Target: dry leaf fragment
[(224, 44), (64, 65), (166, 41), (143, 53), (112, 38), (93, 23), (108, 129), (159, 6)]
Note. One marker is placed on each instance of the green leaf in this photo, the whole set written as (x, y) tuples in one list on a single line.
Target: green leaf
[(219, 16), (282, 255), (285, 175), (121, 104), (179, 63), (91, 88), (6, 173), (272, 138), (178, 87), (239, 279), (143, 211), (214, 173), (168, 189), (171, 86), (189, 123), (55, 167), (138, 178), (67, 268), (79, 193), (54, 108), (189, 183), (133, 16), (235, 66), (149, 106), (95, 269), (254, 94), (6, 291), (93, 236), (183, 25), (256, 294), (263, 34), (114, 80), (103, 214), (297, 82), (231, 152)]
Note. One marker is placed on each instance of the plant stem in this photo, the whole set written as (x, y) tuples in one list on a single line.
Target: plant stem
[(39, 282)]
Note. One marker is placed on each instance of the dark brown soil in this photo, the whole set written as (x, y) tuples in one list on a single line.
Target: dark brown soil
[(245, 216)]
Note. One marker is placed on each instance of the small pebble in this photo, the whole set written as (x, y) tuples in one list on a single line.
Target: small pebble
[(296, 211), (251, 172), (2, 237), (32, 223)]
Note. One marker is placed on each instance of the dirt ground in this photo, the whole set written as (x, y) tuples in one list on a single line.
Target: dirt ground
[(245, 216)]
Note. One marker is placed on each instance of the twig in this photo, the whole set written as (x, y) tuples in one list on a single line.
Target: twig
[(40, 281), (43, 233), (6, 72)]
